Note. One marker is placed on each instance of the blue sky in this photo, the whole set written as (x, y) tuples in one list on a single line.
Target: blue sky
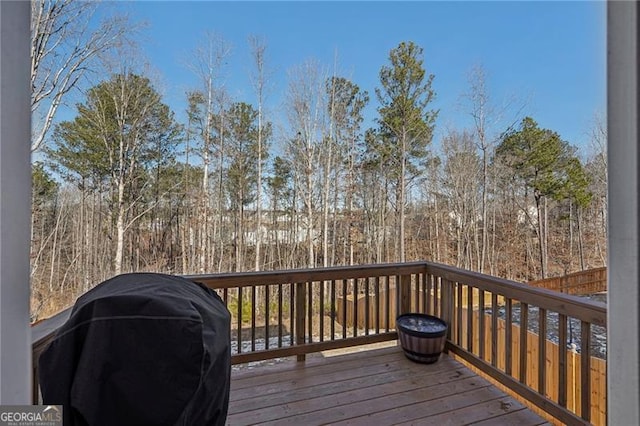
[(549, 57)]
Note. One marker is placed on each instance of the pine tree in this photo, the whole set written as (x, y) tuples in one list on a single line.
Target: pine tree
[(405, 123), (115, 138), (543, 164)]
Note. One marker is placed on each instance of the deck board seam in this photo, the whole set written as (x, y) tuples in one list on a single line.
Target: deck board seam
[(312, 362), (249, 392), (481, 386), (493, 398), (482, 383), (295, 369), (497, 416), (369, 372), (237, 399)]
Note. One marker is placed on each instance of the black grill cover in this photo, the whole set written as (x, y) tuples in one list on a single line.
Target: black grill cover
[(141, 349)]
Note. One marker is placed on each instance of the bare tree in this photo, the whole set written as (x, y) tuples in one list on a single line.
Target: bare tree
[(259, 79), (460, 183), (207, 105), (305, 106), (481, 111), (64, 47), (597, 169), (487, 117)]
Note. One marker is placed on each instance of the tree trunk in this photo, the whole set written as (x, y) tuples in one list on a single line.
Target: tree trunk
[(402, 197), (117, 266), (541, 211), (580, 238)]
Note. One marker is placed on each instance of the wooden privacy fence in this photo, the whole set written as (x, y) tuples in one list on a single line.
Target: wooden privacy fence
[(381, 307), (579, 283)]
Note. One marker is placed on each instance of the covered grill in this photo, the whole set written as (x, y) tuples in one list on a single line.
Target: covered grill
[(141, 349)]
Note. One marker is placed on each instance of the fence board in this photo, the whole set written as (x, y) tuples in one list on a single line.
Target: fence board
[(579, 283)]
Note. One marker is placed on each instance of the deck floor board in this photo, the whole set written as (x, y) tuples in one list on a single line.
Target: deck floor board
[(375, 387)]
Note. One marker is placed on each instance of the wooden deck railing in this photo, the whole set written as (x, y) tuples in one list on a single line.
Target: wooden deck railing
[(526, 312), (296, 312), (301, 307)]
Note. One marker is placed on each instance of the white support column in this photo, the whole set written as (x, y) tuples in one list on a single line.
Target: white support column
[(623, 357), (15, 198)]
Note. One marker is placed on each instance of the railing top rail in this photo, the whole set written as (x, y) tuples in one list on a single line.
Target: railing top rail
[(246, 279), (574, 306)]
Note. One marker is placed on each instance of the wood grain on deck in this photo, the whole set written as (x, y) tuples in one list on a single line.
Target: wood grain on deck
[(375, 387)]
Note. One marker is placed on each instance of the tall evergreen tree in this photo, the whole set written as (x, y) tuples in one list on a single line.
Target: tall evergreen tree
[(115, 137), (405, 123), (544, 165), (346, 104)]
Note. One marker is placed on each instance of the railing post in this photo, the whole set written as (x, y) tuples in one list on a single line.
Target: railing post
[(405, 294), (300, 313)]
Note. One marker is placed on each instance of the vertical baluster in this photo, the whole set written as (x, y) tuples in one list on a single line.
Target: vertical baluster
[(398, 296), (542, 351), (446, 310), (416, 297), (562, 360), (387, 303), (366, 306), (524, 325), (429, 296), (280, 323), (404, 296), (309, 290), (300, 313), (267, 314), (344, 309), (441, 290), (494, 329), (322, 284), (253, 318), (377, 297), (333, 309), (240, 291), (470, 318), (585, 370), (459, 314), (423, 286), (441, 306), (355, 306), (292, 313), (508, 337), (225, 296), (481, 324)]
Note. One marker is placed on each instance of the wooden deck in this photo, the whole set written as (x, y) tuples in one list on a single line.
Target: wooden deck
[(372, 387)]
